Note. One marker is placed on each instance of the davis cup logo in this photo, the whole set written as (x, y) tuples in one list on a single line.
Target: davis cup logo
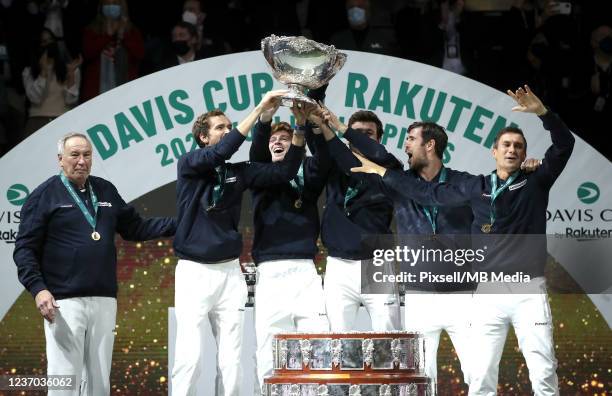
[(17, 194), (588, 192)]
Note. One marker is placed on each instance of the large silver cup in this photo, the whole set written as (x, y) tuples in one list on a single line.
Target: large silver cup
[(301, 64)]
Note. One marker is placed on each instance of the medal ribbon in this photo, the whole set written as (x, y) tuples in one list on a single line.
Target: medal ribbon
[(94, 200), (221, 173), (496, 192), (351, 192), (431, 212), (298, 181)]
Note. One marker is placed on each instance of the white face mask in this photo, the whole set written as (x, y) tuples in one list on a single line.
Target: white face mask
[(356, 16), (190, 17)]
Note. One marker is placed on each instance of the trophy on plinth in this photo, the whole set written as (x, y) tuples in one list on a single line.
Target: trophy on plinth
[(301, 64)]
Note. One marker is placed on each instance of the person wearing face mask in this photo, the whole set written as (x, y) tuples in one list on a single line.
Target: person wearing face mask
[(183, 47), (51, 83), (361, 35), (208, 45), (112, 49)]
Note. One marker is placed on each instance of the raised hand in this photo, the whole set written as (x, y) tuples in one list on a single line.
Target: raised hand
[(314, 114), (300, 113), (271, 100), (527, 101), (332, 120), (266, 116)]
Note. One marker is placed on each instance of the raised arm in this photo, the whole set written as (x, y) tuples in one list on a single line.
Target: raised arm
[(209, 157), (259, 174), (560, 151), (259, 151), (369, 148), (316, 168), (401, 186)]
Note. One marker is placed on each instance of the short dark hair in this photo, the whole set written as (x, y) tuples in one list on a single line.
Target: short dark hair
[(191, 29), (281, 126), (201, 125), (432, 131), (367, 116), (509, 129)]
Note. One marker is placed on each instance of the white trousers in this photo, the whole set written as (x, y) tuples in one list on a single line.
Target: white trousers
[(343, 297), (216, 292), (526, 308), (429, 314), (288, 298), (80, 343)]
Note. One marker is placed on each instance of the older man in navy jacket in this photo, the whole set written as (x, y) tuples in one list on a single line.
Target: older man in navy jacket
[(66, 258)]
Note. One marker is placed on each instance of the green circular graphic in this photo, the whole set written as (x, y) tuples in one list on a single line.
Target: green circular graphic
[(588, 192), (17, 194)]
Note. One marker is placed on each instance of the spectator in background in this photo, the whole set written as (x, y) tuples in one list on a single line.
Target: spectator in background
[(519, 27), (184, 46), (416, 31), (51, 83), (207, 45), (600, 98), (558, 40), (112, 49), (453, 58), (361, 36)]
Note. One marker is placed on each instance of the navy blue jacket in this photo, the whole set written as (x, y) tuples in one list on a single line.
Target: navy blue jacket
[(453, 224), (209, 234), (54, 249), (520, 209), (283, 231), (370, 212), (411, 222)]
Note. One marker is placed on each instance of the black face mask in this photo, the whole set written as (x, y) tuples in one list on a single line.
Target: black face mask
[(605, 45), (180, 47)]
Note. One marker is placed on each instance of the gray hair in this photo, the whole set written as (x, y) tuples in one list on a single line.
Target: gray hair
[(61, 144)]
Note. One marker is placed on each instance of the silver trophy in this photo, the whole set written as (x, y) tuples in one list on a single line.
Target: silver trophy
[(301, 64)]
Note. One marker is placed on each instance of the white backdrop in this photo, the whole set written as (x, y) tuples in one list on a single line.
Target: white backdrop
[(141, 128)]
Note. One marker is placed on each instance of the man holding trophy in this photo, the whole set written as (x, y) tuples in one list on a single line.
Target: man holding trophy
[(354, 208), (209, 281), (286, 220)]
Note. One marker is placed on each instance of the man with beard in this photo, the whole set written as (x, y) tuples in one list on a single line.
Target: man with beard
[(511, 204)]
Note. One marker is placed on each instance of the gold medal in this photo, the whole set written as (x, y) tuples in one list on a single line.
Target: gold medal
[(486, 228), (95, 236), (298, 203)]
